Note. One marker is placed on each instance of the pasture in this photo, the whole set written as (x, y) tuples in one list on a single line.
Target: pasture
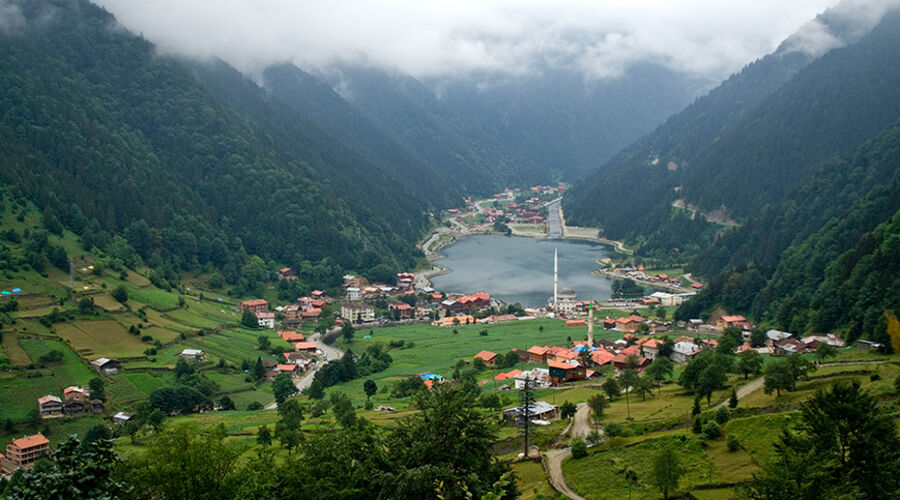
[(107, 338)]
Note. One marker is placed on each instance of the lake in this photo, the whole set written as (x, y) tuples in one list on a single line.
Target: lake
[(521, 269)]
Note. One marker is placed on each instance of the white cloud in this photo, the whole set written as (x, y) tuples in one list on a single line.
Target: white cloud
[(433, 38)]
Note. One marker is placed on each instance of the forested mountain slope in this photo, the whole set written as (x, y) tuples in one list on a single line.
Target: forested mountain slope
[(409, 111), (750, 141), (111, 139), (565, 121), (826, 259)]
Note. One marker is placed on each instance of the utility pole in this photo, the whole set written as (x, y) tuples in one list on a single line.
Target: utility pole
[(525, 416)]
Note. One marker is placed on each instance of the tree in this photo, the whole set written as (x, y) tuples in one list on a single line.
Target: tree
[(800, 366), (186, 462), (825, 350), (182, 368), (97, 385), (643, 386), (579, 448), (248, 319), (757, 337), (259, 370), (283, 387), (263, 436), (733, 400), (370, 387), (749, 362), (347, 331), (844, 445), (628, 379), (226, 403), (316, 391), (597, 403), (74, 471), (86, 305), (120, 294), (712, 379), (448, 440), (567, 410), (778, 376), (611, 388), (660, 369), (667, 470), (263, 342)]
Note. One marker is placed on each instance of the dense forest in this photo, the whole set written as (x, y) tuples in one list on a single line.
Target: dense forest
[(151, 162), (749, 143)]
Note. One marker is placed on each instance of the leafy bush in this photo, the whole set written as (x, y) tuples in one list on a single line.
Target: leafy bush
[(711, 430), (732, 442), (613, 429), (722, 415), (53, 356), (579, 448)]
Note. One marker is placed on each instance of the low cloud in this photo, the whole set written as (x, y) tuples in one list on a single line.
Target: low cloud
[(438, 38)]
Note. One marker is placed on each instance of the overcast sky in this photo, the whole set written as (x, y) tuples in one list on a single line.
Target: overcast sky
[(430, 38)]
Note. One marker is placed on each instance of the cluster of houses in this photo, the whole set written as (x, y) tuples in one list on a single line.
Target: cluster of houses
[(786, 343), (636, 273), (75, 401), (359, 288)]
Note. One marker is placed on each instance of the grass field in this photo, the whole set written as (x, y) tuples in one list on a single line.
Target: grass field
[(532, 480), (107, 338), (107, 303), (17, 356), (18, 396), (757, 434), (599, 475), (71, 371)]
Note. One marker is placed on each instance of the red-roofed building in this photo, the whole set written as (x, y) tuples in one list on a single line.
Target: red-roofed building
[(305, 346), (696, 286), (23, 452), (564, 372), (729, 321), (602, 357), (402, 311), (629, 324), (560, 354), (291, 336), (50, 406), (621, 361), (286, 273), (318, 295), (538, 354), (576, 322), (255, 306), (488, 357), (291, 369)]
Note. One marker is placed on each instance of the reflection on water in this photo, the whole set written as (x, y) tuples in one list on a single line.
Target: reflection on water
[(521, 269)]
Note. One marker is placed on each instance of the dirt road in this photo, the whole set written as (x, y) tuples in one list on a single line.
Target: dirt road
[(331, 353), (746, 390), (581, 427)]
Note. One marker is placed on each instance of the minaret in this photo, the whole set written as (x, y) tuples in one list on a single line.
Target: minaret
[(555, 283), (591, 325)]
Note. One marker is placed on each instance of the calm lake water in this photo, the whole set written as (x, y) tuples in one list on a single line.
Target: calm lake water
[(521, 269)]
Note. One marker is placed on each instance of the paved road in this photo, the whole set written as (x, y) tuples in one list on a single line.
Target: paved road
[(581, 427), (331, 354)]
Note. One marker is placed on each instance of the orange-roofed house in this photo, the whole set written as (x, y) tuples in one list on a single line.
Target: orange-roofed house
[(696, 286), (23, 452), (255, 306), (488, 357), (576, 322), (318, 295), (629, 324), (538, 354), (287, 273), (728, 321), (50, 406), (561, 354), (305, 346), (650, 348), (292, 370), (311, 314), (621, 361), (565, 372), (402, 311), (602, 357), (291, 336)]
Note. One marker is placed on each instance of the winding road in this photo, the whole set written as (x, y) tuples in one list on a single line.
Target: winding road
[(581, 427)]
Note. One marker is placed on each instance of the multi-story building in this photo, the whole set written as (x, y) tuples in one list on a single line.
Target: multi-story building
[(23, 452)]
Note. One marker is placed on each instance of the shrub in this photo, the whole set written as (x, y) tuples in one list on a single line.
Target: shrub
[(897, 384), (874, 376), (697, 425), (722, 415), (483, 333), (579, 448), (711, 430), (732, 442), (613, 429), (256, 405)]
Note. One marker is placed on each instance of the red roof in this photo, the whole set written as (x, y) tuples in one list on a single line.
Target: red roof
[(733, 319), (540, 351), (429, 384), (576, 322), (313, 312), (401, 307), (602, 356), (287, 368), (303, 346), (257, 302), (318, 303), (486, 355), (562, 366), (47, 399), (631, 350), (30, 441), (291, 336), (651, 343), (696, 285)]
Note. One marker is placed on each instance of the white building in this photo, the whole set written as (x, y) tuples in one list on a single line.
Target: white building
[(684, 351), (193, 355), (540, 377), (266, 320), (354, 293), (566, 302)]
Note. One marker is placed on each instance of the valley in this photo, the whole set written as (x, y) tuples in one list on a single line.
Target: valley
[(559, 259)]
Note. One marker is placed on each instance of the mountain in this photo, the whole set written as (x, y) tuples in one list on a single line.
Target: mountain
[(184, 165), (749, 142), (565, 122), (412, 113)]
